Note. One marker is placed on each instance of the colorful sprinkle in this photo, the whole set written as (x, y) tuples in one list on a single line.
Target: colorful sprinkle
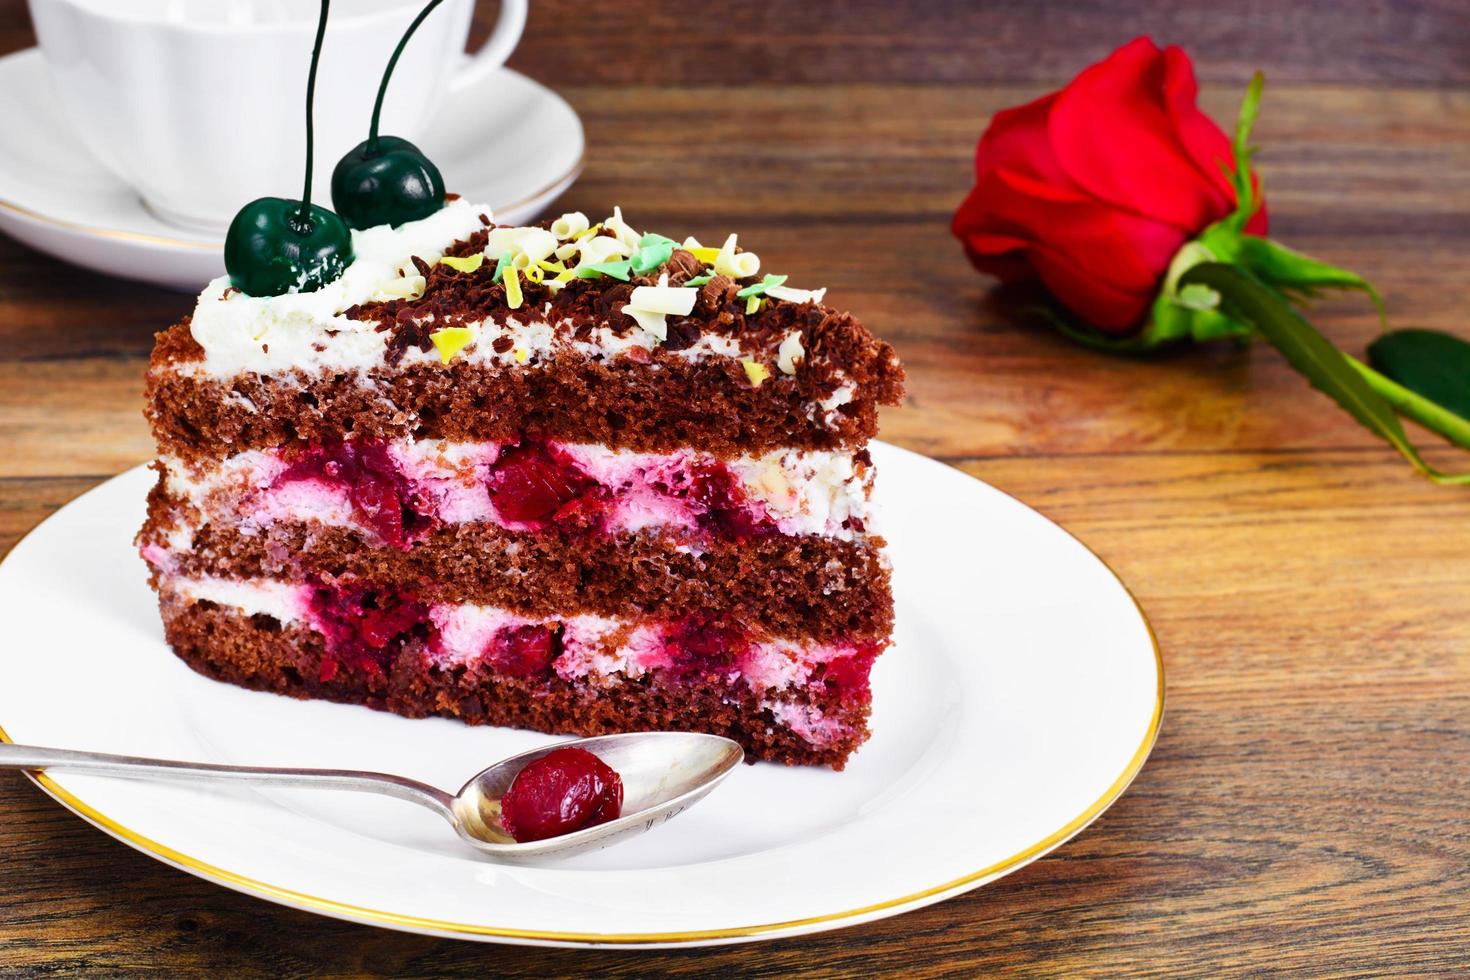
[(756, 372), (464, 263), (502, 265), (759, 288), (699, 280), (653, 251), (618, 270), (513, 298), (752, 304), (450, 341)]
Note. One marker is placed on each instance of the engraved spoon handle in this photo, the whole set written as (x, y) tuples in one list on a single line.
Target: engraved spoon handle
[(14, 756)]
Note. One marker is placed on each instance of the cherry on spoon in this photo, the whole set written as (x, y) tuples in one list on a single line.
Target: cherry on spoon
[(275, 245), (386, 180), (663, 774)]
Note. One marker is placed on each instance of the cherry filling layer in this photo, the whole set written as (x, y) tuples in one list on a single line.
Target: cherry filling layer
[(688, 651), (365, 628), (525, 486), (715, 497), (382, 498), (531, 484)]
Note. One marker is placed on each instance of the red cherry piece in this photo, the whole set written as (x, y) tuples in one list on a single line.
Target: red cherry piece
[(529, 484), (718, 499), (524, 651), (698, 647), (561, 792), (382, 497), (363, 627), (848, 674)]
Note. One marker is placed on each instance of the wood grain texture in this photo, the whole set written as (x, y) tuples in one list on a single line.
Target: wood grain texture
[(1305, 810)]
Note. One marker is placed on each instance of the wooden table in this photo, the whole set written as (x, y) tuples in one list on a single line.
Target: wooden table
[(1306, 806)]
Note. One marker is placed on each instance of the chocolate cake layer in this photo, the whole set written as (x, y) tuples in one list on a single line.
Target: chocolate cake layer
[(258, 653), (656, 405), (791, 587)]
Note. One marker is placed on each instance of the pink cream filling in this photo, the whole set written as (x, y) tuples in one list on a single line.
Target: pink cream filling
[(367, 628), (400, 491)]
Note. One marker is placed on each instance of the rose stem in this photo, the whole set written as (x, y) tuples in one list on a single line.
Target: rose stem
[(372, 146), (1431, 415), (304, 215)]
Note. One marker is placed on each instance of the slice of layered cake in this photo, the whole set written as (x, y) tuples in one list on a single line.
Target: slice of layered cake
[(569, 478)]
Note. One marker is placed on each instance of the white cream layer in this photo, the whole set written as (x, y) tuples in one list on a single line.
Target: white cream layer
[(592, 646), (802, 492), (269, 334), (308, 331)]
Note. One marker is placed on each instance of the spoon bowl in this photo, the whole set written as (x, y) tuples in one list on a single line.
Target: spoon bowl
[(663, 774)]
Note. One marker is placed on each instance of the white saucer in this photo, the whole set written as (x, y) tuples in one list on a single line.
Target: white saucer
[(516, 151), (1023, 694)]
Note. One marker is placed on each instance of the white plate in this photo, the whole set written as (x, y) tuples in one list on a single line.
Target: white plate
[(507, 141), (1023, 694)]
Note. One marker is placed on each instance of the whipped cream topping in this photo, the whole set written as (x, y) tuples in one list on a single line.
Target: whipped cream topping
[(267, 334), (308, 331), (803, 492)]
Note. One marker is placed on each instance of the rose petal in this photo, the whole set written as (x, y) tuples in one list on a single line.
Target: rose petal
[(1208, 148), (1114, 310), (1115, 138), (1019, 140), (1105, 265)]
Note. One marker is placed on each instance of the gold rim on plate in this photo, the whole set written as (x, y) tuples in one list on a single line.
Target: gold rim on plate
[(368, 916)]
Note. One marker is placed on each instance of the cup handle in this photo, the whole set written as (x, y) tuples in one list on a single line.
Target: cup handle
[(492, 54)]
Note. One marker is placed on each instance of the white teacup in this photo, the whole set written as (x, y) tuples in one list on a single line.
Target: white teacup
[(200, 104)]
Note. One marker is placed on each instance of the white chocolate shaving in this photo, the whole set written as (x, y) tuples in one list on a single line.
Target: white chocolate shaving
[(790, 354), (663, 298), (569, 225), (404, 287), (535, 243), (796, 295), (601, 249), (648, 305), (736, 265), (652, 323), (622, 229)]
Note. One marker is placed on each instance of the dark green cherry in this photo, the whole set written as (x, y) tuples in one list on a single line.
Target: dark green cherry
[(385, 180), (276, 245)]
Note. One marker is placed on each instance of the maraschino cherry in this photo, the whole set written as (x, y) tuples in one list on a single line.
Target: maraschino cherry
[(386, 180), (566, 790), (276, 245)]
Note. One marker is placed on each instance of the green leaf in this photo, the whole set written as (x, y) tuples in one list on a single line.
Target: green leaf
[(1311, 354), (1240, 176), (1292, 272), (1433, 364)]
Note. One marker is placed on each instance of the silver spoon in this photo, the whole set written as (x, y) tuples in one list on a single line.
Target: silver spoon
[(663, 773)]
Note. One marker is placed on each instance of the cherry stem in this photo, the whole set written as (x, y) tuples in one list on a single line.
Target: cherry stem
[(304, 215), (372, 146)]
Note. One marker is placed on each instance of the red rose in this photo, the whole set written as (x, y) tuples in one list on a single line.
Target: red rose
[(1094, 189)]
